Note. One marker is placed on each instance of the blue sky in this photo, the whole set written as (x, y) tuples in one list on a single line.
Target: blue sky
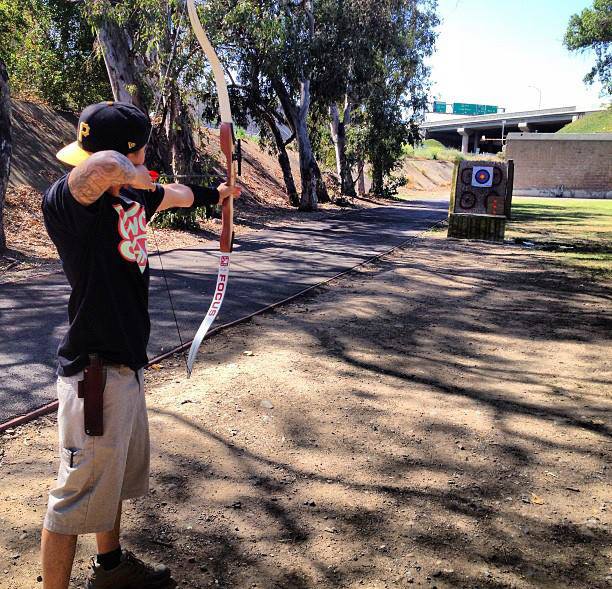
[(492, 51)]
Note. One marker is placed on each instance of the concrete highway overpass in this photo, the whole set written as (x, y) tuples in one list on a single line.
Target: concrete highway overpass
[(485, 132)]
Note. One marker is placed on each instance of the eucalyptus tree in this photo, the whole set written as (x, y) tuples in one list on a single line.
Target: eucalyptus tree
[(380, 48), (290, 63), (356, 33), (47, 46), (392, 115), (272, 46), (145, 49), (386, 131), (260, 102)]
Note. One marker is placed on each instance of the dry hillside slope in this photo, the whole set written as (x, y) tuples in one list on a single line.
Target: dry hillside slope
[(38, 134)]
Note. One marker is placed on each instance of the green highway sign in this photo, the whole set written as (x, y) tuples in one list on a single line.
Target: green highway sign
[(463, 108), (439, 106)]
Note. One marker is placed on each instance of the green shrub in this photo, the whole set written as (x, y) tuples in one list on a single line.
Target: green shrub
[(392, 184), (242, 134), (179, 218)]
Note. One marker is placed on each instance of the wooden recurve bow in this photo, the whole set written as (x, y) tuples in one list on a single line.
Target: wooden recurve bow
[(231, 150)]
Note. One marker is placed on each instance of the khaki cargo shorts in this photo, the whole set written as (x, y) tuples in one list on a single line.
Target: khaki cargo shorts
[(97, 472)]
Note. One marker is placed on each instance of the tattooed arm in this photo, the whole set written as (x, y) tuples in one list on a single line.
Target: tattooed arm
[(104, 169)]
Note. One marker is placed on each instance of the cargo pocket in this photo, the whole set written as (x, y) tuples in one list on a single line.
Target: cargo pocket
[(74, 472)]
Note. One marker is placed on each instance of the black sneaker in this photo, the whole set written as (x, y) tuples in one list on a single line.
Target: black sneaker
[(131, 573)]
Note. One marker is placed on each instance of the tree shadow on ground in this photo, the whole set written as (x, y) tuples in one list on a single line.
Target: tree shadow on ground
[(33, 311), (432, 466), (449, 429)]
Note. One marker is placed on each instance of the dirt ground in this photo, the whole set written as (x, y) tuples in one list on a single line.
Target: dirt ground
[(439, 419)]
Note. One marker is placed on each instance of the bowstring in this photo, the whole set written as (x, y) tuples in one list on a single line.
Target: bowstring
[(157, 105)]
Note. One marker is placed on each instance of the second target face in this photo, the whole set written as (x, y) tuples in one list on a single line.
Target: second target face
[(467, 200)]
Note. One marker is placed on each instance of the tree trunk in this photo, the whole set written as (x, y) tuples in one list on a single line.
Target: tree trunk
[(377, 179), (313, 188), (6, 145), (361, 179), (337, 137), (180, 133), (338, 133), (319, 182), (130, 80), (309, 199), (125, 69), (283, 159)]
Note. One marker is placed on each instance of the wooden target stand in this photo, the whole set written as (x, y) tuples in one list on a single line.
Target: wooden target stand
[(481, 200)]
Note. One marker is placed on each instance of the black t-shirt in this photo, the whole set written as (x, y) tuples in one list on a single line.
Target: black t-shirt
[(103, 250)]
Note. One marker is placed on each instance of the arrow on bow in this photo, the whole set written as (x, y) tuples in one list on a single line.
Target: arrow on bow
[(231, 150)]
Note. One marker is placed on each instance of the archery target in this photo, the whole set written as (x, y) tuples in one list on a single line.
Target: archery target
[(467, 200), (480, 188), (466, 176), (482, 177)]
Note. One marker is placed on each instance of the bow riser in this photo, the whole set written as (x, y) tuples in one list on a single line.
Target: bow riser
[(226, 135)]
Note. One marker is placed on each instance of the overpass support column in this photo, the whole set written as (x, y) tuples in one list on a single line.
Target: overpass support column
[(465, 139), (524, 127), (476, 141)]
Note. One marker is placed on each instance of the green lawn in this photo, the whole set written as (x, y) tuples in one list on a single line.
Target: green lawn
[(584, 225), (597, 122), (576, 232)]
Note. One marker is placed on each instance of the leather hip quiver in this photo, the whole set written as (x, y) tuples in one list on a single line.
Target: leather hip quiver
[(91, 390)]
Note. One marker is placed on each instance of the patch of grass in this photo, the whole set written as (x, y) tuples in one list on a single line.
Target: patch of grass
[(574, 219), (242, 134), (577, 231), (432, 149), (596, 265), (596, 122), (433, 152)]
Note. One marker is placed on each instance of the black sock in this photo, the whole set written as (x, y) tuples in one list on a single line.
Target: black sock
[(109, 560)]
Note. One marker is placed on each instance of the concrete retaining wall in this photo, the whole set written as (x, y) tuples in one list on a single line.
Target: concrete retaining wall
[(565, 165)]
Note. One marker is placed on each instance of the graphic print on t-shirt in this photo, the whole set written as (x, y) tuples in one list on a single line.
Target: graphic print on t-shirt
[(132, 228)]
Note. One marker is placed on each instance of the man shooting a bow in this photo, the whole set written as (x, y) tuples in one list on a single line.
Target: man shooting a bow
[(96, 216)]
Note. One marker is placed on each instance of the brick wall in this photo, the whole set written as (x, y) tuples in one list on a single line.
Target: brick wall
[(569, 165)]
